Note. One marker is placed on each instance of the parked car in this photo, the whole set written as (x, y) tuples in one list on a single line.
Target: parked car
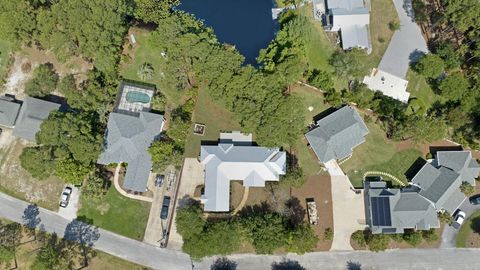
[(475, 199), (67, 192), (165, 205), (459, 219), (159, 180)]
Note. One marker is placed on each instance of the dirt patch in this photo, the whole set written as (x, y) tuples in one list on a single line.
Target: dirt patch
[(15, 181), (236, 193), (17, 77), (103, 208), (319, 188)]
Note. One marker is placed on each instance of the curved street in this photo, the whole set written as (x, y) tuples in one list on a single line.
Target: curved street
[(163, 259)]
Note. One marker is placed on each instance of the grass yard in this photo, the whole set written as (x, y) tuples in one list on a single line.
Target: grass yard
[(469, 234), (382, 13), (377, 153), (421, 91), (215, 118), (117, 213), (17, 182), (5, 49), (145, 51)]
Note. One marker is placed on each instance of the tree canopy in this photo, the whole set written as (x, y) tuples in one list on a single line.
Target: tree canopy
[(44, 81), (430, 65)]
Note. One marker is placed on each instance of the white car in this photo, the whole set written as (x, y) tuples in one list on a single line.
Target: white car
[(67, 191), (459, 219)]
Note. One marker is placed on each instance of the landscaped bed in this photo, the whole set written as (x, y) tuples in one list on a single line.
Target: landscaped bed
[(116, 213)]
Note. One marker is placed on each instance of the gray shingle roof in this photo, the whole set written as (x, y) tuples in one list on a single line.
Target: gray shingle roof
[(31, 116), (128, 138), (337, 134), (460, 162), (230, 161), (8, 112)]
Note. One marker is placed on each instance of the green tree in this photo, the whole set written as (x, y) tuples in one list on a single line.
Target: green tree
[(10, 235), (302, 239), (454, 86), (320, 79), (17, 21), (38, 161), (350, 64), (445, 217), (294, 178), (71, 171), (467, 189), (164, 153), (449, 55), (433, 128), (328, 234), (430, 66), (52, 256), (464, 14), (359, 238), (44, 81), (153, 10), (91, 29), (94, 187), (189, 221), (267, 232), (333, 97), (377, 242), (414, 238)]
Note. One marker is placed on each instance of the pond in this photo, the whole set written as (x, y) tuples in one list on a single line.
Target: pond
[(247, 24)]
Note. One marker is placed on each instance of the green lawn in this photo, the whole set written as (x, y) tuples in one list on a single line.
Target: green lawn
[(313, 98), (382, 13), (5, 49), (147, 52), (421, 93), (378, 154), (117, 213), (215, 118), (469, 234)]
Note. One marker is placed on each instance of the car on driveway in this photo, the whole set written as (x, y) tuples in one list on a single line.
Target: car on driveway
[(165, 205), (67, 192), (459, 219), (475, 199)]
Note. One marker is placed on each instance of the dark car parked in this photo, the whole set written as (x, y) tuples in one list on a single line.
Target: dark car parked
[(165, 205), (475, 199)]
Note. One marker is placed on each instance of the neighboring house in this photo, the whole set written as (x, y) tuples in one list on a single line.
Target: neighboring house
[(335, 135), (435, 188), (8, 112), (131, 129), (32, 113), (236, 158), (351, 18)]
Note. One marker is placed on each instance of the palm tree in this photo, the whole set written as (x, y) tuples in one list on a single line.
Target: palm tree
[(145, 71)]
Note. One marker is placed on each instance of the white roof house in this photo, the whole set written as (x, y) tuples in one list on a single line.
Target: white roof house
[(390, 85), (349, 17), (235, 158)]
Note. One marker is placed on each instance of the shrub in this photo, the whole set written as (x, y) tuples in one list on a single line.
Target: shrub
[(414, 238), (378, 242), (328, 234), (359, 238), (430, 235), (397, 237), (467, 189), (394, 25), (430, 66), (445, 217), (43, 82)]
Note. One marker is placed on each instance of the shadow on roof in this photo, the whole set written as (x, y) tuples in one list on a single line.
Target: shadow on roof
[(416, 166), (325, 113), (435, 149)]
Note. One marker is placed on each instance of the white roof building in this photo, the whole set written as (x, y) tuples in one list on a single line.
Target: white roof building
[(235, 158), (390, 85)]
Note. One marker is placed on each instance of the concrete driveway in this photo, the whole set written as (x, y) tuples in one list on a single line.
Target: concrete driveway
[(191, 177), (449, 234), (70, 212), (407, 43), (348, 208)]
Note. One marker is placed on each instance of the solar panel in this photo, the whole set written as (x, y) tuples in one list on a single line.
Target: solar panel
[(380, 211)]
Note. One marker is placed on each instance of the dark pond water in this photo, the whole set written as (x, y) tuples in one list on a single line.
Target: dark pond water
[(247, 24)]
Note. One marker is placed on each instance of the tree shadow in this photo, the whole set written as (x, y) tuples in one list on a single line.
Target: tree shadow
[(435, 149), (415, 56), (354, 265), (186, 201), (287, 265), (475, 225), (223, 264), (257, 209), (31, 217), (295, 212), (84, 235)]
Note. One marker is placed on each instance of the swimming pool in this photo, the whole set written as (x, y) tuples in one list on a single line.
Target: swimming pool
[(134, 97)]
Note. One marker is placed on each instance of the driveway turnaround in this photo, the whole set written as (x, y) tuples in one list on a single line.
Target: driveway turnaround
[(348, 208), (163, 259), (449, 234), (70, 212)]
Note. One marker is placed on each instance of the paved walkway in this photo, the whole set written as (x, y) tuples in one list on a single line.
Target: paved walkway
[(348, 208), (243, 201), (123, 192)]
